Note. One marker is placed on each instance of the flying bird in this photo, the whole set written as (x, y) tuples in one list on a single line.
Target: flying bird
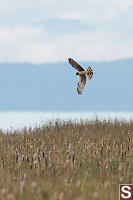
[(82, 74)]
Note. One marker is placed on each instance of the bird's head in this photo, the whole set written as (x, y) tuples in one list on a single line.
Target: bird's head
[(77, 73)]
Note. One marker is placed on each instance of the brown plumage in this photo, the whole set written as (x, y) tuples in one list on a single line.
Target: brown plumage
[(82, 74)]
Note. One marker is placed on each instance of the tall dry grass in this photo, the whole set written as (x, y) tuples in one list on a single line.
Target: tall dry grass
[(66, 161)]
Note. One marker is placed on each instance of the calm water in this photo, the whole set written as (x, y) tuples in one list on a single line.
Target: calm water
[(18, 120)]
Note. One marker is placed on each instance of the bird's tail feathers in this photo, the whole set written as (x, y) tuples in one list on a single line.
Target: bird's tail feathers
[(89, 73)]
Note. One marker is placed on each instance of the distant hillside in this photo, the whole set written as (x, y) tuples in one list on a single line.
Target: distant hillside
[(52, 87)]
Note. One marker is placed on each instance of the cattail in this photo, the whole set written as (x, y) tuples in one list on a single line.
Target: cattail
[(32, 159), (35, 156), (23, 159), (73, 158), (42, 170), (27, 158), (38, 151), (3, 162), (125, 153), (16, 157), (35, 163), (39, 159), (43, 154)]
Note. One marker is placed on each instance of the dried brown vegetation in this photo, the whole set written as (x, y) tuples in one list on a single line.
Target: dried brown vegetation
[(66, 161)]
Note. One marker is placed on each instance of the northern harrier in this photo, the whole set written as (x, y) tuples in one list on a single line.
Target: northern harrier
[(82, 74)]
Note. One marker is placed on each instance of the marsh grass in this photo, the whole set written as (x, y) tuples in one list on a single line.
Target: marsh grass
[(66, 161)]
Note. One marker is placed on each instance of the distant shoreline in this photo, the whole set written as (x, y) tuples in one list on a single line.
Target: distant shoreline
[(13, 120)]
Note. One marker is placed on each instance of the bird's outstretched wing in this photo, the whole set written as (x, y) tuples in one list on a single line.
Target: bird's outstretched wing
[(75, 64), (81, 84)]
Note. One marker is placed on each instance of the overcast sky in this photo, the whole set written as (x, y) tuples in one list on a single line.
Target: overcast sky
[(39, 31)]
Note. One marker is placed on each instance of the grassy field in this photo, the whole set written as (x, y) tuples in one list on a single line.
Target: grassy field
[(66, 161)]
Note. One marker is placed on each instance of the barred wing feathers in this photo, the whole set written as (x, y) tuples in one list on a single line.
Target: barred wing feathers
[(81, 84), (75, 64)]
